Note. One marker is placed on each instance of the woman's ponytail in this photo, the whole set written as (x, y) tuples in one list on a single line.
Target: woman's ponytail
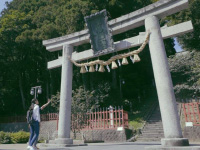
[(32, 104)]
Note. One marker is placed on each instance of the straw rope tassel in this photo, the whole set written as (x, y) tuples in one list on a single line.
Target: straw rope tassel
[(136, 58), (83, 69), (101, 68), (91, 69), (114, 65), (124, 61)]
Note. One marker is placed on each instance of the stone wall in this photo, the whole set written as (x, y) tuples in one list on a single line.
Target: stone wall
[(108, 135), (48, 129), (192, 133)]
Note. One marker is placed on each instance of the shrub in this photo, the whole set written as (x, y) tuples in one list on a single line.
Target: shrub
[(20, 137), (5, 138)]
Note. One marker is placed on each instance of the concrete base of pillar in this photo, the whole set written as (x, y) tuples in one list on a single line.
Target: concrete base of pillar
[(63, 141), (173, 148), (174, 142)]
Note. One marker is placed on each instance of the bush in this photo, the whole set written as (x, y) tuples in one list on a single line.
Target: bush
[(5, 138), (17, 137), (20, 137)]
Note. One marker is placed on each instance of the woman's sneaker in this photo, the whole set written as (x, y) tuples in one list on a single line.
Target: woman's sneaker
[(31, 148), (35, 147)]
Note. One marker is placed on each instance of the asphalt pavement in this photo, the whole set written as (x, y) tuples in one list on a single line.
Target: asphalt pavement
[(91, 146)]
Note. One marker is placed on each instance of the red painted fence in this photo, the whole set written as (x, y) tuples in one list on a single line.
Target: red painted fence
[(111, 119), (192, 112)]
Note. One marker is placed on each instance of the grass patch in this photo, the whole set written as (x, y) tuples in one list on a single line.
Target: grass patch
[(137, 123), (138, 117)]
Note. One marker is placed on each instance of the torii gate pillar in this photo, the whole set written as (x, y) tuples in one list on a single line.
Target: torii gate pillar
[(65, 98), (167, 101)]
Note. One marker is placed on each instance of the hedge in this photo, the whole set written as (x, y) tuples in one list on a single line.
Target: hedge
[(17, 137)]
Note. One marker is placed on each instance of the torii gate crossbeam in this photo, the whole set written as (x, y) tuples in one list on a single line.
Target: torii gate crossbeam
[(124, 23), (167, 32)]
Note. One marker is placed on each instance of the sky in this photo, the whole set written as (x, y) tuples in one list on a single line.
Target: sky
[(2, 6), (177, 46)]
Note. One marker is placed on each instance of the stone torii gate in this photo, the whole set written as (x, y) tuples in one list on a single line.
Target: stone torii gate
[(148, 16)]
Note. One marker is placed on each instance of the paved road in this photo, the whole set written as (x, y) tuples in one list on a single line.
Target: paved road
[(97, 146), (93, 146)]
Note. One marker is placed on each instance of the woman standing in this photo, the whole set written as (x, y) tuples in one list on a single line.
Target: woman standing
[(35, 126)]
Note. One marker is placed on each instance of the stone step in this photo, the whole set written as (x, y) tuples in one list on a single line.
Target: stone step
[(152, 135), (152, 132), (152, 127), (153, 124), (154, 121), (148, 139), (156, 136)]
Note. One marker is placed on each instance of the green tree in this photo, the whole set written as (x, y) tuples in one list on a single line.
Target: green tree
[(185, 71), (188, 41), (23, 26)]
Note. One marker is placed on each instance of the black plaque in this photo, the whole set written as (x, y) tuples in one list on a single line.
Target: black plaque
[(100, 34)]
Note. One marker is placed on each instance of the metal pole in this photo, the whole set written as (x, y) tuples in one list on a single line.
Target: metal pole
[(35, 92)]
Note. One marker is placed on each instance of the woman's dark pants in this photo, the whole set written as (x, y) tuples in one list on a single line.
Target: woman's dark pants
[(34, 132)]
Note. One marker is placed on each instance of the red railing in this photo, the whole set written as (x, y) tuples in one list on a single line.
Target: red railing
[(111, 119), (14, 119), (49, 117), (192, 113)]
